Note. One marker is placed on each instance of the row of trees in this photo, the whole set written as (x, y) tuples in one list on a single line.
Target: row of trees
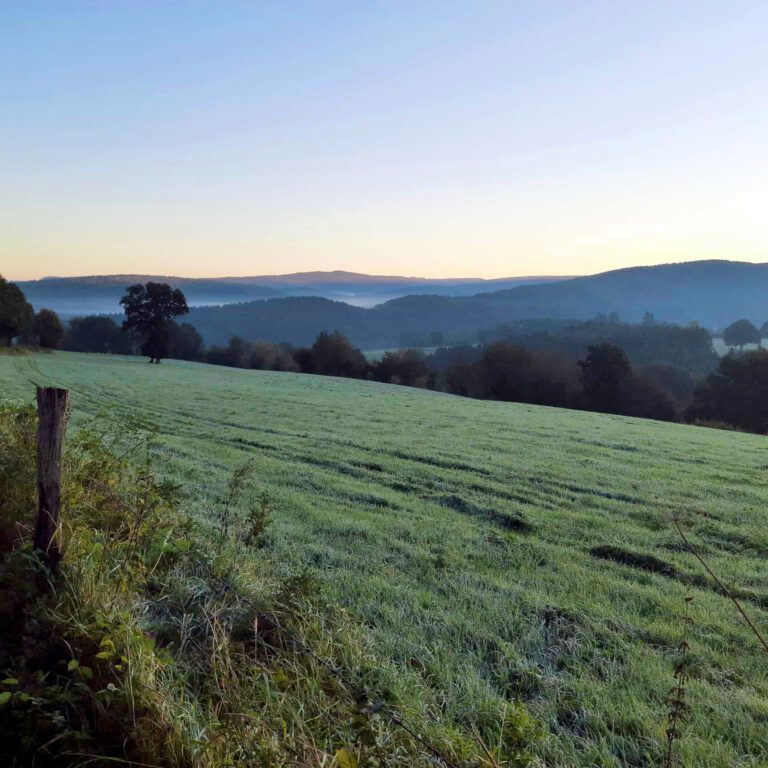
[(735, 394), (149, 324), (645, 343), (19, 320), (603, 381), (99, 333)]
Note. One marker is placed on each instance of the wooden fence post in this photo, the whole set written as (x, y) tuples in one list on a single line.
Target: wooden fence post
[(52, 411)]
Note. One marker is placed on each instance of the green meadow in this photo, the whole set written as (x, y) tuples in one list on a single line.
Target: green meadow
[(501, 551)]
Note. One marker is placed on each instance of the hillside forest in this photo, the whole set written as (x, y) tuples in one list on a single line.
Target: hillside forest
[(649, 369)]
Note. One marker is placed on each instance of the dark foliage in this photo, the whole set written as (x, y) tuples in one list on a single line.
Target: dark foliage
[(48, 329), (740, 333), (677, 383), (736, 393), (273, 357), (500, 371), (405, 366), (605, 377), (644, 343), (509, 372), (610, 386), (297, 320), (185, 342), (444, 358), (647, 400), (603, 382), (260, 355), (236, 354), (709, 292), (149, 310), (333, 355), (17, 318), (97, 333), (464, 379)]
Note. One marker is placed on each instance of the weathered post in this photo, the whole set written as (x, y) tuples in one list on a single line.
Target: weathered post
[(52, 412)]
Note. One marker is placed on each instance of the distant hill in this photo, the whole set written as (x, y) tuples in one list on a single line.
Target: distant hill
[(100, 294), (712, 293)]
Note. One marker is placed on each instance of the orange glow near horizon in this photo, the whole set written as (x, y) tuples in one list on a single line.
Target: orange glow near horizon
[(485, 140)]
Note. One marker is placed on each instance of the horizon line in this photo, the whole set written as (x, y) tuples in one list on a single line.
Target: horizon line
[(415, 278)]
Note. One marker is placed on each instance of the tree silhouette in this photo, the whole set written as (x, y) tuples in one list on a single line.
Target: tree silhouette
[(48, 329), (186, 342), (17, 317), (333, 355), (740, 333), (97, 333), (405, 366), (149, 310), (736, 393), (605, 375)]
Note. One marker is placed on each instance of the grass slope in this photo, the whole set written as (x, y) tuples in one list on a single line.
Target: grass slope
[(503, 550)]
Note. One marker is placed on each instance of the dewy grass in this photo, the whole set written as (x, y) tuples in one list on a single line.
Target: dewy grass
[(397, 501), (154, 647)]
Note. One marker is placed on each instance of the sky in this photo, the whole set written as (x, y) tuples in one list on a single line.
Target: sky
[(431, 138)]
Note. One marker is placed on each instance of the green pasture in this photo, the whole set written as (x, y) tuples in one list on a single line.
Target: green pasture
[(501, 550)]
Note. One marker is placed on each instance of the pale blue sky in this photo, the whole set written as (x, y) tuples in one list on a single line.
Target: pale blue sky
[(427, 138)]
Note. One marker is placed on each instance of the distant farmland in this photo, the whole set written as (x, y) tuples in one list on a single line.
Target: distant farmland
[(502, 550)]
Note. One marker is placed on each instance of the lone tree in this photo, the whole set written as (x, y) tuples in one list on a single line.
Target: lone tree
[(149, 311), (48, 329), (17, 318), (740, 333)]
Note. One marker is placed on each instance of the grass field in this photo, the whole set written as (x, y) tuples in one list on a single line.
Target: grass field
[(502, 550)]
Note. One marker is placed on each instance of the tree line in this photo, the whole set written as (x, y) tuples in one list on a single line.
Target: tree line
[(18, 320), (649, 342), (149, 327), (603, 379), (734, 395)]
